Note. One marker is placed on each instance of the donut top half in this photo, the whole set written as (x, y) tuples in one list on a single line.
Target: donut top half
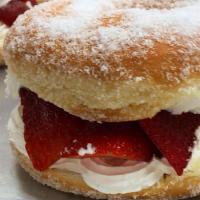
[(108, 60)]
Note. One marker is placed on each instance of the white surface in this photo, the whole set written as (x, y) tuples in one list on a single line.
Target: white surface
[(15, 184)]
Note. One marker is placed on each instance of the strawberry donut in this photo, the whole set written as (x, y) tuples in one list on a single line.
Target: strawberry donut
[(109, 97)]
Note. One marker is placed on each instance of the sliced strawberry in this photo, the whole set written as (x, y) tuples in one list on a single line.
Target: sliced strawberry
[(51, 133), (173, 135), (10, 11)]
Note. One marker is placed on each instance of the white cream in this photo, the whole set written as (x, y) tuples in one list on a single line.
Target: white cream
[(89, 150), (4, 2), (137, 180), (144, 175), (194, 163), (12, 85), (70, 164), (3, 31), (16, 130), (141, 177), (189, 102)]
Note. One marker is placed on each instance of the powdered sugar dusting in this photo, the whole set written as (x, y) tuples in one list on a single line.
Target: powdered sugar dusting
[(89, 150), (109, 38)]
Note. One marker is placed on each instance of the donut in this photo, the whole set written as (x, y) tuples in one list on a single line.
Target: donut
[(148, 66), (109, 98)]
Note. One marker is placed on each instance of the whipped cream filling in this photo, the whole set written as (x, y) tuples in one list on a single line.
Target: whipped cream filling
[(122, 179), (3, 30), (12, 85), (194, 162), (144, 176), (188, 102)]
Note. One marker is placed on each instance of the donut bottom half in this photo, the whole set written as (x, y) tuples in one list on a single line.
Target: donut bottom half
[(169, 187)]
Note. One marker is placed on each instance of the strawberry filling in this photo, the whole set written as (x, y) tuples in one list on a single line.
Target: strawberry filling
[(51, 133), (10, 11), (173, 135)]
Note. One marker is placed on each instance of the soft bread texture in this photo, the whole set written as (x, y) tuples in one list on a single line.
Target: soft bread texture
[(170, 187), (108, 60)]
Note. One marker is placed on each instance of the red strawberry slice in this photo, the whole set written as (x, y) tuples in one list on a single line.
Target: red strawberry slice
[(10, 11), (51, 133), (173, 135)]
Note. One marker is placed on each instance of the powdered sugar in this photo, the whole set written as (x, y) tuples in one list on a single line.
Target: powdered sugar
[(83, 32)]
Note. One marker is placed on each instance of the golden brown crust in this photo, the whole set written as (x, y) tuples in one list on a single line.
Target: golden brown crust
[(170, 187), (159, 59), (108, 65)]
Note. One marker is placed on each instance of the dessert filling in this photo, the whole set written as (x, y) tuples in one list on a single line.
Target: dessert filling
[(55, 133), (111, 157), (105, 174), (3, 32)]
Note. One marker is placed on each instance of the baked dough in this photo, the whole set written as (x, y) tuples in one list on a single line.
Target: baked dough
[(170, 187), (108, 60)]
